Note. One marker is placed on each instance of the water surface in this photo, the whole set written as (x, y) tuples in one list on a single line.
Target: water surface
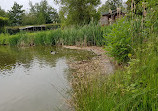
[(32, 79)]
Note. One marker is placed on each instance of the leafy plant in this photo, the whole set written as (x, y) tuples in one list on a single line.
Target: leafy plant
[(118, 40)]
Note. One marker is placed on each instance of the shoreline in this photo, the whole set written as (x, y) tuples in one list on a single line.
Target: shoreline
[(100, 63), (84, 72)]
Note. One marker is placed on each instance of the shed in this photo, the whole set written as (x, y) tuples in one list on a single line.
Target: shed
[(33, 28), (109, 17)]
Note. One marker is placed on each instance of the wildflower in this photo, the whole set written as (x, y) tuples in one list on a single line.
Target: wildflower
[(129, 55)]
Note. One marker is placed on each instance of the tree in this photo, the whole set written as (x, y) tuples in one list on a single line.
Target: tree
[(3, 22), (137, 6), (110, 4), (78, 11), (29, 19), (2, 13), (43, 13), (15, 15), (104, 8), (139, 3)]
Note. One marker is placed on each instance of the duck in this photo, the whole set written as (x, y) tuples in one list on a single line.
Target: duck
[(53, 52)]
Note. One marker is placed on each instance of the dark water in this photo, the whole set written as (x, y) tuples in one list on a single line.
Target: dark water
[(32, 79)]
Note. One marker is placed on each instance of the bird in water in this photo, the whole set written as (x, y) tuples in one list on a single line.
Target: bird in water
[(53, 52)]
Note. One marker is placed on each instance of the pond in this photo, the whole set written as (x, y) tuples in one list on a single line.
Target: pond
[(33, 79)]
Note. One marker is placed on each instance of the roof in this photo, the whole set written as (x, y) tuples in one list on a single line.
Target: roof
[(108, 13), (31, 27)]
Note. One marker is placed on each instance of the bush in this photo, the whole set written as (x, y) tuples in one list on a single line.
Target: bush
[(14, 39), (118, 40)]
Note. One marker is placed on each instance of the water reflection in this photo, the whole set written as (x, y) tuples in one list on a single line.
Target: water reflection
[(31, 78)]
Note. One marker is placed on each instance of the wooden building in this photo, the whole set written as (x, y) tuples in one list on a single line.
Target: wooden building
[(33, 28), (17, 29), (110, 17)]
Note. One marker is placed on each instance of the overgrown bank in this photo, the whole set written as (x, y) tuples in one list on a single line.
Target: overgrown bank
[(134, 42), (134, 88), (81, 36)]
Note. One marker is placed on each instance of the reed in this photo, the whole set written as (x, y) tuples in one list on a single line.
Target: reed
[(82, 35)]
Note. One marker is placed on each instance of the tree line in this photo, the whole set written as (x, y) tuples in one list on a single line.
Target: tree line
[(39, 13), (72, 12)]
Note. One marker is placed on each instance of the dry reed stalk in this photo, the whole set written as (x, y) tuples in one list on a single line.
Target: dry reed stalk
[(132, 7), (118, 12), (143, 14)]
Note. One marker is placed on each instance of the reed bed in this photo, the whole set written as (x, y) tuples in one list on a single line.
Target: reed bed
[(82, 36)]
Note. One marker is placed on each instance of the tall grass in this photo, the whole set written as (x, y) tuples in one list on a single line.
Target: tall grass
[(87, 35), (134, 88), (134, 41)]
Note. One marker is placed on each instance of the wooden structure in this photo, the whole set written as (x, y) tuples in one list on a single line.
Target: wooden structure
[(33, 28), (17, 29), (110, 17)]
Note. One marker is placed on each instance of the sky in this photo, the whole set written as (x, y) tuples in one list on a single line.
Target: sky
[(7, 4)]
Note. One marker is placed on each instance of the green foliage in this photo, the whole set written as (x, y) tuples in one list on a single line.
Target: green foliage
[(3, 22), (15, 15), (3, 39), (127, 34), (118, 40), (42, 13), (2, 13), (104, 8), (139, 5), (29, 19), (82, 36), (110, 4), (133, 87), (14, 39), (79, 12)]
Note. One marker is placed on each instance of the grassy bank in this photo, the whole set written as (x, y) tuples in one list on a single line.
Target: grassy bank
[(82, 36), (134, 88), (133, 42)]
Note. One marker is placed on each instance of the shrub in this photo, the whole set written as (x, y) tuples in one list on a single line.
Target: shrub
[(118, 40)]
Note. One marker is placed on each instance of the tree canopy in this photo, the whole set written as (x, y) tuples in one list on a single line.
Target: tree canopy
[(138, 5), (39, 13), (110, 4), (2, 13), (3, 22), (15, 15), (43, 13), (78, 11)]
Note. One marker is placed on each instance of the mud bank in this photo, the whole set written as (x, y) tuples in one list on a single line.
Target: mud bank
[(99, 64)]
